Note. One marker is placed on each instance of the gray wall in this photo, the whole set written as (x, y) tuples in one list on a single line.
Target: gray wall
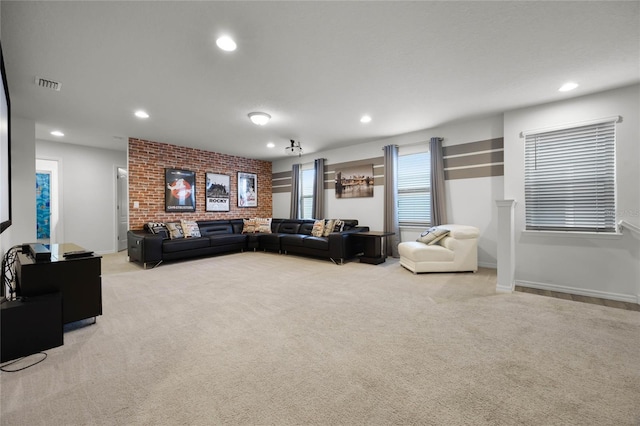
[(88, 192), (469, 201), (87, 187)]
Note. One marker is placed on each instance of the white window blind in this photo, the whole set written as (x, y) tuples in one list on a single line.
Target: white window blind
[(306, 195), (570, 178), (414, 189)]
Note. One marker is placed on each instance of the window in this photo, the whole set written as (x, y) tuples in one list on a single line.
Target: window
[(570, 178), (307, 177), (414, 189)]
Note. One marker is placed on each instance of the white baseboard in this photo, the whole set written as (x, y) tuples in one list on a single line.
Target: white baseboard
[(581, 291), (488, 265), (500, 289)]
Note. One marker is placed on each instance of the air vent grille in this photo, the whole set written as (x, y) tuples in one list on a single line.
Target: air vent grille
[(48, 84)]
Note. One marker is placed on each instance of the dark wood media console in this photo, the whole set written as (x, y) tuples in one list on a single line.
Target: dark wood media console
[(77, 279)]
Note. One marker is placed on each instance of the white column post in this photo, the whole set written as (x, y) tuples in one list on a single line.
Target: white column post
[(506, 246)]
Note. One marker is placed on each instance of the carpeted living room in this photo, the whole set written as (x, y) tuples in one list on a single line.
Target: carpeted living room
[(263, 338), (320, 213)]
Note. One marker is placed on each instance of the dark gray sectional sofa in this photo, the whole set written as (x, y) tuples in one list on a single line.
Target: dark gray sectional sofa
[(288, 236)]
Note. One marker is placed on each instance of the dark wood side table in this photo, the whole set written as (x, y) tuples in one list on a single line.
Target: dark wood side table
[(78, 280), (373, 246)]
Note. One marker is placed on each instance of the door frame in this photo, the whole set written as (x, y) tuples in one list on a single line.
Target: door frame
[(116, 204), (53, 165)]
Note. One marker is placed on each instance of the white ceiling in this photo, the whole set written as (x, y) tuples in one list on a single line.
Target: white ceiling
[(316, 67)]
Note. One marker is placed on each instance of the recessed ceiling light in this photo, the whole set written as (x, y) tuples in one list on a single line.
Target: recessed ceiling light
[(141, 114), (57, 133), (271, 145), (259, 118), (226, 43), (365, 119), (568, 86)]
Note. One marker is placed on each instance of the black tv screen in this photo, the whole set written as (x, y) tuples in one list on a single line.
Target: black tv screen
[(5, 151)]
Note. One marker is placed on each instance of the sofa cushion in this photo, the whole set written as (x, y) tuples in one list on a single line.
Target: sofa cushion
[(157, 228), (182, 244), (319, 243), (432, 235), (222, 239), (318, 228), (190, 228), (175, 230), (216, 229), (249, 226), (289, 227), (306, 227), (419, 252), (263, 224), (328, 227), (292, 239)]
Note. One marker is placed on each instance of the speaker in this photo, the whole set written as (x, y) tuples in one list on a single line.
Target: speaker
[(30, 325)]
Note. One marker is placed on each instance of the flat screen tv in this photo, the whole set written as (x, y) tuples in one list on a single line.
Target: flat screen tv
[(5, 151)]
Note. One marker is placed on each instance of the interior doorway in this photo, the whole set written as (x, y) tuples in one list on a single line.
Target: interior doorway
[(43, 206), (48, 201), (122, 206)]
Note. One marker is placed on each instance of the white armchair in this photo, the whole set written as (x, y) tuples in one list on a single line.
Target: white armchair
[(456, 252)]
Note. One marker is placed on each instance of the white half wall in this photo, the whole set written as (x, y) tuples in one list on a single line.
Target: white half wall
[(588, 264), (88, 188)]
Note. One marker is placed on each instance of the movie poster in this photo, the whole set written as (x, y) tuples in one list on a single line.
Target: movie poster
[(247, 189), (179, 191), (217, 193)]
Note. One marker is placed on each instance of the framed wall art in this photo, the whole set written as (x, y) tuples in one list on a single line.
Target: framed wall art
[(179, 191), (247, 189), (355, 181), (217, 193)]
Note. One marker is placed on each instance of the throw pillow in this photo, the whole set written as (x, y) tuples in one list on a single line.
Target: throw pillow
[(249, 226), (328, 227), (157, 228), (443, 233), (175, 230), (190, 228), (263, 225), (318, 228), (432, 235), (338, 225)]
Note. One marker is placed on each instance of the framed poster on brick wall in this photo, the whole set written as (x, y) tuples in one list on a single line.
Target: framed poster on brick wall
[(247, 189), (217, 193), (179, 191)]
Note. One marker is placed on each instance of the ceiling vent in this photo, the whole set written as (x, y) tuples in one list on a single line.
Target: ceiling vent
[(48, 84)]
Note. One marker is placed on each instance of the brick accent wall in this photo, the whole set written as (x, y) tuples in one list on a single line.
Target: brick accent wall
[(148, 160)]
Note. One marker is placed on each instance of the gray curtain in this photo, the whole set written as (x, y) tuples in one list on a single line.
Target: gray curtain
[(294, 212), (391, 223), (438, 200), (318, 189)]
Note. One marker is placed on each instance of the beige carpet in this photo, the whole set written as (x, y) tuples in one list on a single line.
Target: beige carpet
[(261, 338)]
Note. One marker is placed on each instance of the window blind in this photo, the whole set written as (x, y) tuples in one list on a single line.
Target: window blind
[(306, 197), (414, 189), (570, 179)]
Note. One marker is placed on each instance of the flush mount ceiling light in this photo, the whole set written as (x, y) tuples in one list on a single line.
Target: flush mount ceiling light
[(294, 149), (259, 118), (271, 145), (57, 133), (365, 119), (141, 114), (568, 86), (226, 43)]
